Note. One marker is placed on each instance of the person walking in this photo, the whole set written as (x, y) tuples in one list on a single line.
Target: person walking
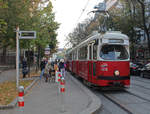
[(42, 66), (47, 71), (56, 66), (24, 67), (56, 70), (62, 67)]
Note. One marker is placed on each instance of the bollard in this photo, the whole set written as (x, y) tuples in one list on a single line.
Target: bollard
[(56, 76), (59, 76), (59, 80), (20, 98), (62, 94), (62, 85)]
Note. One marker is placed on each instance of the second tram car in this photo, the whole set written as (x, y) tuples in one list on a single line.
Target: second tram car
[(102, 60)]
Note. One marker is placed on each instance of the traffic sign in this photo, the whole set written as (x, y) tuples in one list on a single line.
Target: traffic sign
[(47, 51), (27, 34)]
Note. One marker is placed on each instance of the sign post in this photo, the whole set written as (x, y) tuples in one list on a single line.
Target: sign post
[(21, 35), (17, 57)]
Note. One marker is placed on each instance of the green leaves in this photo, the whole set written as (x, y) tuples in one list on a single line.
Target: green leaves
[(28, 15)]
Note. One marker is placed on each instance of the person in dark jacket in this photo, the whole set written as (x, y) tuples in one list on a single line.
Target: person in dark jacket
[(62, 67), (24, 68), (42, 66)]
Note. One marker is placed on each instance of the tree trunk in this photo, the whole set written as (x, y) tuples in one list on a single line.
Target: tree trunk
[(39, 56), (4, 55), (144, 24)]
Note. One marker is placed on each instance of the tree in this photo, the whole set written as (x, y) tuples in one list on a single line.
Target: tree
[(80, 33), (145, 21), (29, 15)]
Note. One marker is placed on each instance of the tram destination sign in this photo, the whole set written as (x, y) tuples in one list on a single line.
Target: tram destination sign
[(116, 41), (27, 34)]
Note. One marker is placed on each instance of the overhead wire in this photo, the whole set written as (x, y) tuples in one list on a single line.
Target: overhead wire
[(83, 11)]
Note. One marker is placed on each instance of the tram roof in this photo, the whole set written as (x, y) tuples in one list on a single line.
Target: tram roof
[(107, 35), (115, 34)]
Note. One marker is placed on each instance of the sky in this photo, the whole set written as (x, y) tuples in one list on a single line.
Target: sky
[(68, 14)]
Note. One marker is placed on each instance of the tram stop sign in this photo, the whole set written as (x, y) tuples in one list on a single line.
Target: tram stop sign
[(27, 34)]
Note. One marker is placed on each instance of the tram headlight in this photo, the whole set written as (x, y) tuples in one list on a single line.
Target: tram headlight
[(117, 73)]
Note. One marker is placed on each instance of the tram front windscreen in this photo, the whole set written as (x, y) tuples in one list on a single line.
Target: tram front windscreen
[(114, 52)]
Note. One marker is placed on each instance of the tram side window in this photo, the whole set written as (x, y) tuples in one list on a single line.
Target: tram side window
[(82, 55), (70, 56), (94, 52), (79, 54), (75, 55), (90, 52)]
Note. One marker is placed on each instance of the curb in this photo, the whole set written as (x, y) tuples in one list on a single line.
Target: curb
[(5, 68), (13, 104), (94, 102)]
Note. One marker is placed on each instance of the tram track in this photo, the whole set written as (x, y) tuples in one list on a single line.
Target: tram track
[(113, 98), (141, 86), (139, 80), (121, 99), (137, 96), (118, 103)]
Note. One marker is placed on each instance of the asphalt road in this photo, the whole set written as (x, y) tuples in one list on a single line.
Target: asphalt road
[(135, 100)]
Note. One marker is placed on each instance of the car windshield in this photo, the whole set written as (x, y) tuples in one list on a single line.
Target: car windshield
[(133, 65), (114, 52), (147, 65)]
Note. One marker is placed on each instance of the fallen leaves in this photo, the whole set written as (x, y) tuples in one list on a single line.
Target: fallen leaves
[(8, 91)]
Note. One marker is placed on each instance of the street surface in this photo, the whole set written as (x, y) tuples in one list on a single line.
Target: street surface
[(135, 100), (8, 75), (44, 98)]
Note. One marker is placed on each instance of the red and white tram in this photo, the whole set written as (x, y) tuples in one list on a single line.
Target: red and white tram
[(102, 60)]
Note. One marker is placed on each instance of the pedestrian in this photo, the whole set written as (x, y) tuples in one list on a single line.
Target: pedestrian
[(62, 67), (52, 71), (56, 66), (24, 67), (47, 71), (42, 66)]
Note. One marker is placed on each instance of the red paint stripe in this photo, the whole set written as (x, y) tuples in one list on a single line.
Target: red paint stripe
[(62, 90), (21, 104), (21, 94), (62, 83)]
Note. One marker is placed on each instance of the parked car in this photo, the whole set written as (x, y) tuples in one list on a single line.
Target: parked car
[(145, 70), (135, 68)]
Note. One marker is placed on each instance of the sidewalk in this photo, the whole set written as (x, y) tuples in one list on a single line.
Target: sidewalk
[(44, 98), (8, 75)]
